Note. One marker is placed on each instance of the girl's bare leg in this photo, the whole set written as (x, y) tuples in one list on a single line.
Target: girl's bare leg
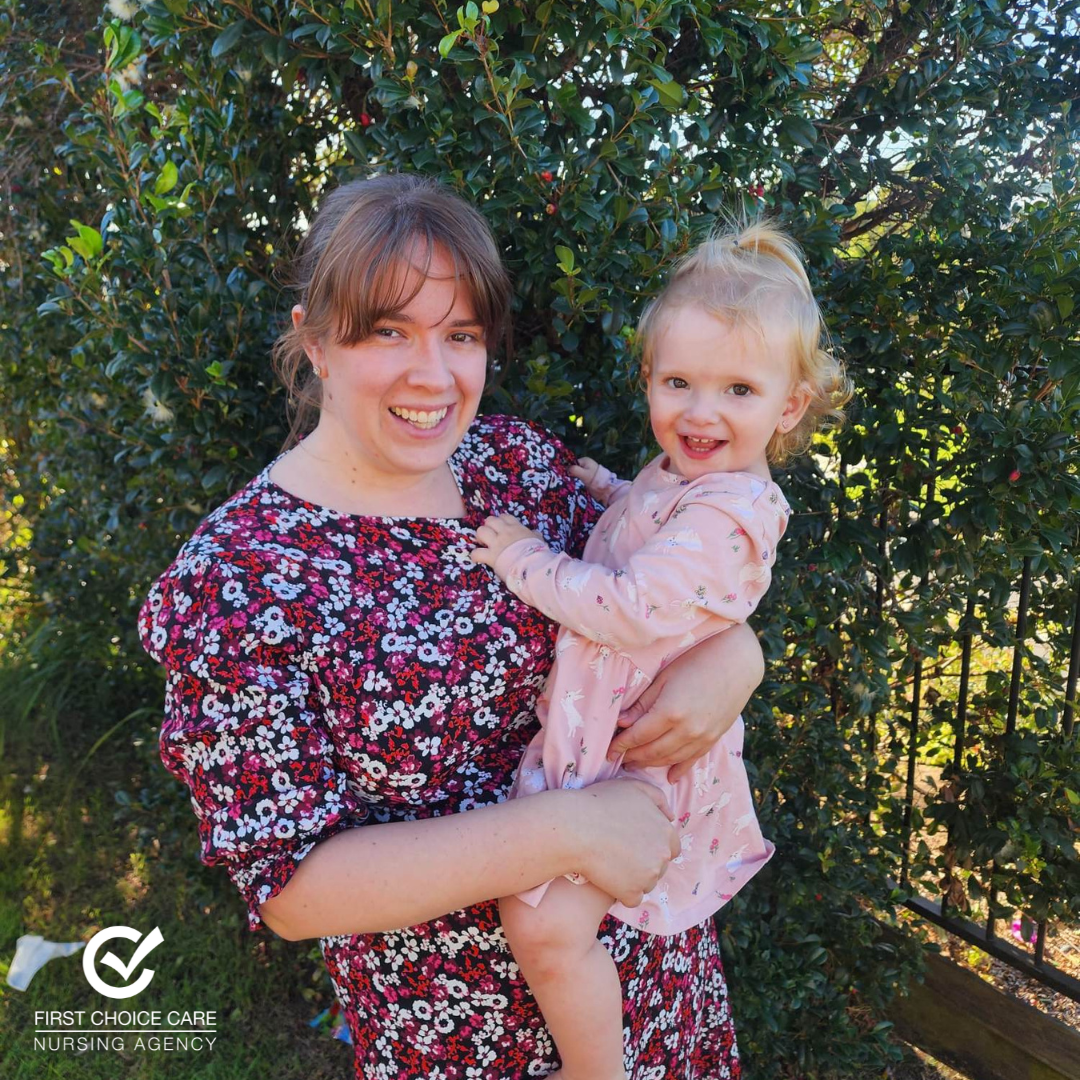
[(572, 976)]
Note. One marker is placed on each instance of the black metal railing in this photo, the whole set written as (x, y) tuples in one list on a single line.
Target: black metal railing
[(940, 911)]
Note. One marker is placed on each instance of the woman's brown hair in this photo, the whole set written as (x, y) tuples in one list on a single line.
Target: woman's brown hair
[(349, 272)]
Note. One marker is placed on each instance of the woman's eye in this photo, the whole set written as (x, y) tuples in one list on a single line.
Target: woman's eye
[(387, 333), (676, 383), (741, 390), (463, 336)]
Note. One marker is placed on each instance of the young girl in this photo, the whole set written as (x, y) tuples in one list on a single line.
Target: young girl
[(736, 378)]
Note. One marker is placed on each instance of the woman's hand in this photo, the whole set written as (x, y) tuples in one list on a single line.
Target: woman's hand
[(691, 703), (626, 836)]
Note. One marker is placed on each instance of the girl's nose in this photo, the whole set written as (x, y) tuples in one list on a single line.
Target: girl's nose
[(703, 409)]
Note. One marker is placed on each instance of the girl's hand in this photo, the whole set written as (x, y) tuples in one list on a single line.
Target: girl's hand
[(626, 836), (585, 470), (691, 703), (497, 534)]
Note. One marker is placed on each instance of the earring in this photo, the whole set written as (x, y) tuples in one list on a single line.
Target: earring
[(317, 370)]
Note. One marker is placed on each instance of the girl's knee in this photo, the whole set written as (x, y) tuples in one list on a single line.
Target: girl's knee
[(542, 933)]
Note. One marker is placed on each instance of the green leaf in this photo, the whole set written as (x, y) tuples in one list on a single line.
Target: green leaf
[(801, 131), (166, 180), (1072, 796), (672, 95), (88, 243), (447, 42), (227, 38), (214, 476), (566, 258), (354, 143)]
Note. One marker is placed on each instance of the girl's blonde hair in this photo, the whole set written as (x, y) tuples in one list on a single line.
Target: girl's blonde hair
[(349, 272), (749, 275)]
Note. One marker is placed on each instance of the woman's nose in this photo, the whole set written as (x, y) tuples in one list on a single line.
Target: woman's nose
[(430, 367)]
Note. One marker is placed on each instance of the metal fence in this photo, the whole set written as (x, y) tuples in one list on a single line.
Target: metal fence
[(938, 909)]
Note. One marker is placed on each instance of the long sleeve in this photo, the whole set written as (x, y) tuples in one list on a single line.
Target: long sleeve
[(243, 728), (606, 487), (710, 560)]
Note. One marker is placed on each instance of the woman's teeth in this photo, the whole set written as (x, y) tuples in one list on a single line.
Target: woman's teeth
[(421, 419)]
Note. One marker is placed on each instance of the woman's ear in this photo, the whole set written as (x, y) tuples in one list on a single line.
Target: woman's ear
[(312, 349), (797, 404)]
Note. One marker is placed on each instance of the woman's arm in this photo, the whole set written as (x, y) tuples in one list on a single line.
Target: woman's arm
[(691, 703), (377, 878)]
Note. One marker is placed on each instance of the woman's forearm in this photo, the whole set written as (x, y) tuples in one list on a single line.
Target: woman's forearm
[(377, 878)]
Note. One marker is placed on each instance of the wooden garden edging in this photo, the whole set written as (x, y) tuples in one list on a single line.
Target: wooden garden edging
[(979, 1031)]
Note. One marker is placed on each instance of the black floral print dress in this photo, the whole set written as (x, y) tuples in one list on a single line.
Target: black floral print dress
[(327, 671)]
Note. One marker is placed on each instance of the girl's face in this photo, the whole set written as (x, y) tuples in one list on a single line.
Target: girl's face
[(398, 403), (718, 393)]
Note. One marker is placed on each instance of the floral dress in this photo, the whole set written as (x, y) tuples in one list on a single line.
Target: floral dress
[(670, 563), (327, 671)]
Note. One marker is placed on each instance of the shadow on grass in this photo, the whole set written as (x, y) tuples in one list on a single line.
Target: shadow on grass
[(115, 843)]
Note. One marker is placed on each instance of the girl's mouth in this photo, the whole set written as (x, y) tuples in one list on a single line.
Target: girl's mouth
[(699, 448), (425, 420)]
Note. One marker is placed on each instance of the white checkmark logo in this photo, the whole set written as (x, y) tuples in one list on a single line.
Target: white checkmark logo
[(125, 971)]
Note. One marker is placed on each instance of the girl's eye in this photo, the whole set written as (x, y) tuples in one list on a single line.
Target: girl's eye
[(676, 383), (463, 336), (741, 390)]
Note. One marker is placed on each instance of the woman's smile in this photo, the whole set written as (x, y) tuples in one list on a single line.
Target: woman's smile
[(424, 419)]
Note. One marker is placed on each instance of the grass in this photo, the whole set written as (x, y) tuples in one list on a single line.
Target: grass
[(114, 843)]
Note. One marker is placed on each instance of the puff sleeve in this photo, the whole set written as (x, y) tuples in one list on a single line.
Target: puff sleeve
[(243, 726)]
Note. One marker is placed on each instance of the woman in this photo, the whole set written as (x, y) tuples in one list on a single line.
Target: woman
[(349, 694)]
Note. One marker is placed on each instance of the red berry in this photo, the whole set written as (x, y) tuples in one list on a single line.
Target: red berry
[(1014, 475), (365, 120), (547, 176), (812, 567), (551, 209), (958, 429), (817, 896), (758, 191)]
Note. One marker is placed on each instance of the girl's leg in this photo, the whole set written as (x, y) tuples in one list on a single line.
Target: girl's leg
[(572, 976)]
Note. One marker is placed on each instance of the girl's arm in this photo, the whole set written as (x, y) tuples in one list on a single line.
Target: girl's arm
[(700, 566), (601, 483), (377, 878)]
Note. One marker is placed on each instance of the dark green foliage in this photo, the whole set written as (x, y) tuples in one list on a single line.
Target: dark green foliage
[(923, 153)]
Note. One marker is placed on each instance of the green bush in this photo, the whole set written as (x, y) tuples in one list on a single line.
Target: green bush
[(923, 153)]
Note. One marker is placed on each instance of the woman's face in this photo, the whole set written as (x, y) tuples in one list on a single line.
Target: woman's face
[(399, 402)]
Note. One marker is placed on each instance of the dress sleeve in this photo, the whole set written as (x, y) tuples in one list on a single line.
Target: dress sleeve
[(557, 504), (710, 560), (243, 728)]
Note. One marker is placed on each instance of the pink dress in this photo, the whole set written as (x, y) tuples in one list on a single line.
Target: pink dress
[(670, 562)]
